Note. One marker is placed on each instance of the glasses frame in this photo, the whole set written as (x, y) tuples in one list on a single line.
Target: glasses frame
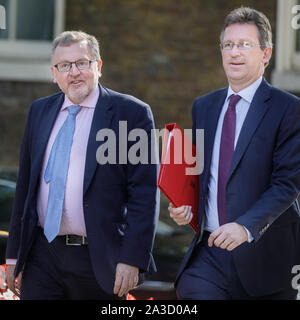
[(240, 45), (75, 62)]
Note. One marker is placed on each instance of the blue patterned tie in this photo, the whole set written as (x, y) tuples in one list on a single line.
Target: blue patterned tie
[(56, 173)]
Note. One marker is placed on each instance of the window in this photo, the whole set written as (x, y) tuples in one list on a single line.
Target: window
[(298, 41), (287, 64), (29, 20), (2, 18), (25, 44), (296, 59)]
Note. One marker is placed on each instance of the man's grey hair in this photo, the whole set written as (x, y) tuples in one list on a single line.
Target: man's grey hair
[(248, 15), (67, 38)]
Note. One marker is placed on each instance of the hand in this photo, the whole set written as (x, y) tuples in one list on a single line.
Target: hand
[(181, 215), (13, 284), (127, 278), (228, 236)]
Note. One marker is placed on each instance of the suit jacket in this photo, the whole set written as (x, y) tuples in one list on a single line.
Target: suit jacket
[(120, 201), (262, 187)]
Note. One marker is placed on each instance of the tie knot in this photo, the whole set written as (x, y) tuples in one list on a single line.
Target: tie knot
[(73, 110), (234, 99)]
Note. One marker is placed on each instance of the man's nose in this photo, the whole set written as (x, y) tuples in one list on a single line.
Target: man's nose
[(74, 69), (235, 51)]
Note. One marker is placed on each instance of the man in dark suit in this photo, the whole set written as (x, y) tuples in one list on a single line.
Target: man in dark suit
[(82, 227), (248, 234)]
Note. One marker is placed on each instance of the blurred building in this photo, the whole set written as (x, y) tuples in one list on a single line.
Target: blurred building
[(164, 52)]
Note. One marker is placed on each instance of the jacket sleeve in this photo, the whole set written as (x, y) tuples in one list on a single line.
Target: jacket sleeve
[(21, 192), (284, 186), (143, 197)]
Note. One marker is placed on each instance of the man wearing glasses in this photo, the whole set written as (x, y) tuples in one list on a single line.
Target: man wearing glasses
[(80, 230), (248, 234)]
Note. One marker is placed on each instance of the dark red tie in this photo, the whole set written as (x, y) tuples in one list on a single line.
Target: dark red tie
[(226, 153)]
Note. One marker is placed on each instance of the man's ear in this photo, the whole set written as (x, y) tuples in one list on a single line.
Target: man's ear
[(99, 66), (53, 74), (267, 55)]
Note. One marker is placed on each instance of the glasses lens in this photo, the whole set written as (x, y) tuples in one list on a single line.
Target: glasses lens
[(82, 64), (63, 67), (245, 45), (227, 45)]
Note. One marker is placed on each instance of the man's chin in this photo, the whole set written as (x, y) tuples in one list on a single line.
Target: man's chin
[(77, 96), (236, 78)]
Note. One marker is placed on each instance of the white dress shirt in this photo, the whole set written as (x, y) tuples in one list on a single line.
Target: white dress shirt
[(242, 107)]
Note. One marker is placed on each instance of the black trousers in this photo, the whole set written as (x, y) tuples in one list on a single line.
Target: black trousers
[(55, 271), (211, 275)]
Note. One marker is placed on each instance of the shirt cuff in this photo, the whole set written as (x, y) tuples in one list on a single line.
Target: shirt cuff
[(11, 261), (250, 238)]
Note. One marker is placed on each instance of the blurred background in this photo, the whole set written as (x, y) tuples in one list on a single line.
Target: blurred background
[(164, 52)]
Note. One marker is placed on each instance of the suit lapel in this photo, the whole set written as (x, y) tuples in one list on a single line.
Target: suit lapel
[(257, 110), (47, 121), (41, 137), (101, 120)]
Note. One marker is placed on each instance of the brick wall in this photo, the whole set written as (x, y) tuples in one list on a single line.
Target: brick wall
[(164, 52), (16, 98)]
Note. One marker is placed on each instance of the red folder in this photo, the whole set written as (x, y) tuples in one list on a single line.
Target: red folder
[(178, 157)]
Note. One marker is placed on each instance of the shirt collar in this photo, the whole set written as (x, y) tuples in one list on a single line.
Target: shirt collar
[(89, 102), (247, 93)]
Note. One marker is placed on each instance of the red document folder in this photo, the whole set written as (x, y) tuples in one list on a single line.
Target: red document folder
[(173, 180)]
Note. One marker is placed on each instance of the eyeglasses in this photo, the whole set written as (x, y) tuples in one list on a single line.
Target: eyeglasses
[(242, 45), (80, 64)]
